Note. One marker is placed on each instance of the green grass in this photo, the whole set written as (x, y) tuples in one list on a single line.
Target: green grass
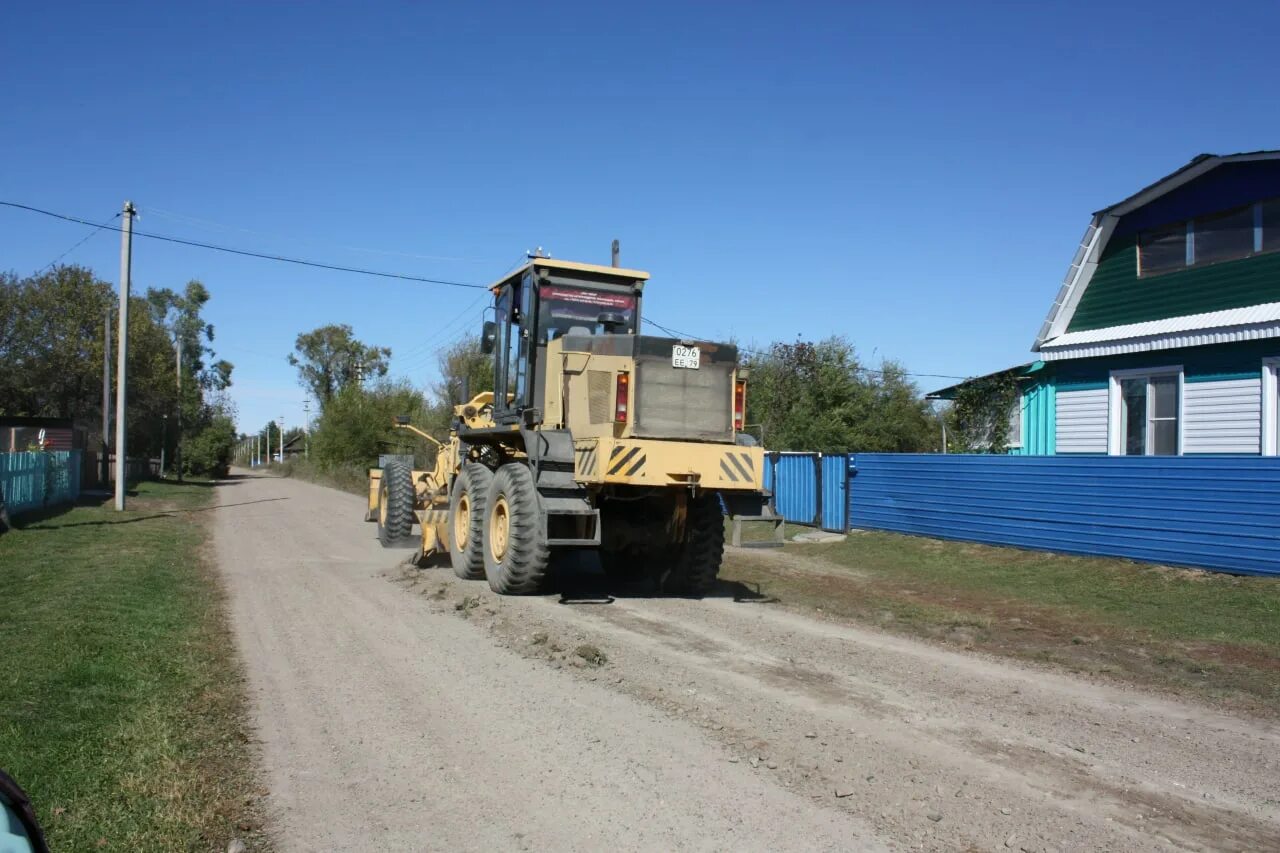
[(122, 709), (1208, 633), (349, 477)]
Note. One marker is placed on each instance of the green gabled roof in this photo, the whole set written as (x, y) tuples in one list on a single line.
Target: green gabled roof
[(1102, 288), (1116, 296)]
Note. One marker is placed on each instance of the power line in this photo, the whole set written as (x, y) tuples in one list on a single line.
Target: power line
[(419, 360), (195, 221), (246, 253), (82, 241)]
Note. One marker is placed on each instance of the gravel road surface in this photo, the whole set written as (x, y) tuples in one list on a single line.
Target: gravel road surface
[(403, 709)]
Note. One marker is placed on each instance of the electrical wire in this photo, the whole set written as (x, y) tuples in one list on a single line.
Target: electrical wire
[(414, 358), (359, 271), (82, 241), (195, 221), (246, 253)]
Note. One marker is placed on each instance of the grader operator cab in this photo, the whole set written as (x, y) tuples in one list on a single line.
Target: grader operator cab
[(596, 436)]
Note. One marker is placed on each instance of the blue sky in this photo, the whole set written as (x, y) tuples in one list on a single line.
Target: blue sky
[(913, 176)]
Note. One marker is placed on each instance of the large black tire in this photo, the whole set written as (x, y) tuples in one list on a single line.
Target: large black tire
[(395, 506), (516, 553), (697, 559), (466, 521)]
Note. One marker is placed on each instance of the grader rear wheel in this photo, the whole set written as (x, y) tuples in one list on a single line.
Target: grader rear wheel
[(697, 559), (395, 506)]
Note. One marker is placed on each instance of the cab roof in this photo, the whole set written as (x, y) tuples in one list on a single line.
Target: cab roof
[(575, 266)]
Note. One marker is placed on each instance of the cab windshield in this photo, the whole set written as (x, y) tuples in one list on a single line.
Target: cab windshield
[(563, 308)]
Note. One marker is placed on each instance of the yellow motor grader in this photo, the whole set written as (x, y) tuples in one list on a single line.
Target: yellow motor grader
[(596, 436)]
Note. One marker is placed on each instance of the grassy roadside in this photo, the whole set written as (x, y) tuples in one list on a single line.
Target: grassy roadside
[(123, 705), (353, 479), (1197, 633)]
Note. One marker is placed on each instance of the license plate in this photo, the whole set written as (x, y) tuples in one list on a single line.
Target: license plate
[(685, 357)]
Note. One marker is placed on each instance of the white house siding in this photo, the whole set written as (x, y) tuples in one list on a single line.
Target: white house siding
[(1080, 421), (1222, 417)]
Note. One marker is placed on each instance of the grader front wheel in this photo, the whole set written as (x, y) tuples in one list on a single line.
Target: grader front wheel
[(395, 506), (467, 520)]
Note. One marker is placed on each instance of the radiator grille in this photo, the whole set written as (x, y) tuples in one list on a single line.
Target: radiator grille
[(674, 402), (599, 395)]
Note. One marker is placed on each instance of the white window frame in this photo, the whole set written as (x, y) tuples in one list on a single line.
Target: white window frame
[(1019, 406), (1270, 400), (1115, 404)]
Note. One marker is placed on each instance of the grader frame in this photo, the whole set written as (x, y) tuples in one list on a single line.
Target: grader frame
[(598, 437)]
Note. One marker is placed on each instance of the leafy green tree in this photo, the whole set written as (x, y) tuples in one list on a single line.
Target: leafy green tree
[(356, 426), (208, 448), (51, 343), (330, 358), (180, 315), (819, 397), (464, 372)]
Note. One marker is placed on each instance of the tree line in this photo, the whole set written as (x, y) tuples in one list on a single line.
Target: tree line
[(51, 359), (816, 396)]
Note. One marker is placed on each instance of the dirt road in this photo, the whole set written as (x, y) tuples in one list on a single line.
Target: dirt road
[(402, 709)]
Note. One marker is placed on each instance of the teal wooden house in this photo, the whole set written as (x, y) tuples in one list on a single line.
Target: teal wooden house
[(1164, 339)]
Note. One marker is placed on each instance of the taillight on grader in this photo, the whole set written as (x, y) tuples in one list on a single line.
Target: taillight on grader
[(739, 404), (621, 397)]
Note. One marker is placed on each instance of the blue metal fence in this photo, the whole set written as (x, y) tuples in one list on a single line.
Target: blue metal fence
[(35, 480), (809, 488), (793, 479), (833, 490), (1207, 512)]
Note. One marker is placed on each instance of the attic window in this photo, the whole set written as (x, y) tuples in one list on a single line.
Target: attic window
[(1225, 236), (1163, 250), (1270, 224)]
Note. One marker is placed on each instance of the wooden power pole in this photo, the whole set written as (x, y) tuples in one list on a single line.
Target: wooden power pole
[(122, 392)]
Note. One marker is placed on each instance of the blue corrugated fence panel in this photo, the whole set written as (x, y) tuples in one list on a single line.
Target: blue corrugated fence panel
[(1206, 512), (795, 486), (835, 488)]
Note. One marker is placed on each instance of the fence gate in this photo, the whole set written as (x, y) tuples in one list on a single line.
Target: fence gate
[(833, 492), (810, 488)]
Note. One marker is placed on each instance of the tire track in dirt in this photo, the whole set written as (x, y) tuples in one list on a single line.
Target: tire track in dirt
[(388, 723), (936, 748)]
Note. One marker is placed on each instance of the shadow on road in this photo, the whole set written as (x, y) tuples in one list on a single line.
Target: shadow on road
[(31, 525), (578, 579)]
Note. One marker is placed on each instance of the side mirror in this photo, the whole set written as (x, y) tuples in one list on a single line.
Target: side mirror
[(402, 420), (488, 336)]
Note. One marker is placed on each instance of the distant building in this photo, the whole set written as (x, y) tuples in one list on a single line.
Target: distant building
[(1165, 336), (19, 434)]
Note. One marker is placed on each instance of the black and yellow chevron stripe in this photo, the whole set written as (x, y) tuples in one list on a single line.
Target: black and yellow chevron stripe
[(626, 462), (737, 466), (587, 460)]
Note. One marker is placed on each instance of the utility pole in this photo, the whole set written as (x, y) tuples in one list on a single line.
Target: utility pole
[(306, 429), (177, 448), (122, 385), (164, 440), (282, 439), (106, 399)]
